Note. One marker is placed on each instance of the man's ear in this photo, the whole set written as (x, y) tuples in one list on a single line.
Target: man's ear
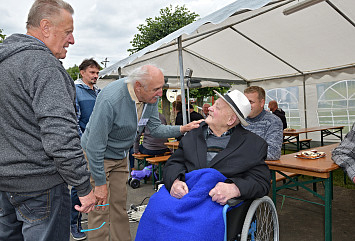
[(137, 86), (263, 102), (45, 26), (232, 120)]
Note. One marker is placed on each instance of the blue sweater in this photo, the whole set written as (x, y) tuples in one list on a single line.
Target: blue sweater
[(113, 126), (85, 102), (269, 127)]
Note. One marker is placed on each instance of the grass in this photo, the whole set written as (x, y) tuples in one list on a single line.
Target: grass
[(338, 176)]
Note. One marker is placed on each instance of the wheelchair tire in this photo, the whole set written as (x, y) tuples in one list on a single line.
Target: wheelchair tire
[(135, 183), (261, 221), (129, 181)]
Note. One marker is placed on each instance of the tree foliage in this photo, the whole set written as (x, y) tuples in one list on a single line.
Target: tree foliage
[(74, 72), (207, 91), (2, 36), (155, 29)]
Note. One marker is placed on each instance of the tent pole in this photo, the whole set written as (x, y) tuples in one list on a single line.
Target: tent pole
[(182, 87), (304, 104), (119, 73)]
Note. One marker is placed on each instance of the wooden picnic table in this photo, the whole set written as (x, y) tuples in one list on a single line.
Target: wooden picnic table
[(172, 145), (320, 169), (290, 135)]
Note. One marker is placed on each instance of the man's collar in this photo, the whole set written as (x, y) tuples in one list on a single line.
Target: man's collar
[(132, 93), (258, 117), (81, 82), (227, 133)]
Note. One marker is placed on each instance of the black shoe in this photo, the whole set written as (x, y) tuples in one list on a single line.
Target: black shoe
[(75, 232)]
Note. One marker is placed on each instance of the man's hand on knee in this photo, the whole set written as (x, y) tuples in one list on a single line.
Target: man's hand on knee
[(101, 196), (222, 192), (179, 189)]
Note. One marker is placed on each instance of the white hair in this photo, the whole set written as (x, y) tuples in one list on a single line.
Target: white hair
[(140, 74)]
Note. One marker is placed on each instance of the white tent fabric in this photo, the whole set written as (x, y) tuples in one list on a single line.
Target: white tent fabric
[(262, 47), (160, 46), (256, 45)]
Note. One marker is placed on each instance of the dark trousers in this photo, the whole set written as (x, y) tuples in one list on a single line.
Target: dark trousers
[(75, 216)]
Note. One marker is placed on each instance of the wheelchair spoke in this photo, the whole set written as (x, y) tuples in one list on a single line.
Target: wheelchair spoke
[(264, 228)]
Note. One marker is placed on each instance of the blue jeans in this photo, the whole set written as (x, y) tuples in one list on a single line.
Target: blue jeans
[(35, 216), (75, 216), (145, 151)]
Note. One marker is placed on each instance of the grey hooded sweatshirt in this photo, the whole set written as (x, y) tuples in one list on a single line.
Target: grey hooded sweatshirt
[(39, 144)]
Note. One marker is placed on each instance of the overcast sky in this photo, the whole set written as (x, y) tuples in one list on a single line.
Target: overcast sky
[(102, 28)]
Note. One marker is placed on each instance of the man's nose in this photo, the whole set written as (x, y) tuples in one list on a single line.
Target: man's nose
[(71, 39)]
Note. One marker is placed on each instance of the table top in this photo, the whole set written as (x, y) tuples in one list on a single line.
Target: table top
[(313, 167), (172, 144), (310, 129)]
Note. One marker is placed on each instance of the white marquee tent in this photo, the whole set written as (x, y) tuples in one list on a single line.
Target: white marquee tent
[(306, 60)]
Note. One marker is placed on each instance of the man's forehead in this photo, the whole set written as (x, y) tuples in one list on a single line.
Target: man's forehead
[(220, 102), (156, 83)]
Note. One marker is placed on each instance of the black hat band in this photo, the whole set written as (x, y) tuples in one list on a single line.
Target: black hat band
[(230, 101)]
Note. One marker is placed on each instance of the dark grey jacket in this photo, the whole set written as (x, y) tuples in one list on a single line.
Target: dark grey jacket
[(242, 162), (39, 143)]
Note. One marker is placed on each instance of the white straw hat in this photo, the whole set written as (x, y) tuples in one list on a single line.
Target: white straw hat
[(239, 104)]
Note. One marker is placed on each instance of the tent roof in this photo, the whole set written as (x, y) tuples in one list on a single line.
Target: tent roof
[(234, 44)]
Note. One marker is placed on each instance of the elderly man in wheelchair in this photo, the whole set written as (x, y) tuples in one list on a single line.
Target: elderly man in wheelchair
[(218, 162)]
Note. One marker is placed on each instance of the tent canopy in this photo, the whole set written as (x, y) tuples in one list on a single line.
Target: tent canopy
[(241, 46), (305, 61)]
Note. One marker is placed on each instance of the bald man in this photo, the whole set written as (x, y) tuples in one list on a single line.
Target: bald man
[(122, 111), (205, 110), (274, 108)]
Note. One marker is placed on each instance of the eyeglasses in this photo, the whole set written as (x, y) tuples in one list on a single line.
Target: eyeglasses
[(92, 229)]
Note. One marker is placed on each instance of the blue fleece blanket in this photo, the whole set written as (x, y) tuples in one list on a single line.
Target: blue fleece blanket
[(193, 217)]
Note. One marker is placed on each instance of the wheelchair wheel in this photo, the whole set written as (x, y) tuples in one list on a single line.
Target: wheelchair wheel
[(261, 222)]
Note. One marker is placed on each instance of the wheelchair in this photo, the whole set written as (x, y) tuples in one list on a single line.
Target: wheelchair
[(254, 220)]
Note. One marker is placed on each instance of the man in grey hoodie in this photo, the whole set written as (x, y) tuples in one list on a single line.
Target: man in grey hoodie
[(40, 147)]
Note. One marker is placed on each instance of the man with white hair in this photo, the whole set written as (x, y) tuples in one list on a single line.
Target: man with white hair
[(122, 110), (223, 144), (216, 162)]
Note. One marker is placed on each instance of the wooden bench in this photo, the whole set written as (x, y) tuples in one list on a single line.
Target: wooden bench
[(157, 161), (141, 159), (304, 144), (279, 177)]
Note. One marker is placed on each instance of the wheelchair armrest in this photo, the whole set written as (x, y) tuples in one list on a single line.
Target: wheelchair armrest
[(234, 202)]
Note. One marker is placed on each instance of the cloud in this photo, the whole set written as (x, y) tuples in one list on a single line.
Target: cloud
[(102, 28)]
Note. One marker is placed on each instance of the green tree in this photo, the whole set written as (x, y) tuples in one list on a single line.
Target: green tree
[(155, 29), (74, 72), (2, 36), (200, 93)]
